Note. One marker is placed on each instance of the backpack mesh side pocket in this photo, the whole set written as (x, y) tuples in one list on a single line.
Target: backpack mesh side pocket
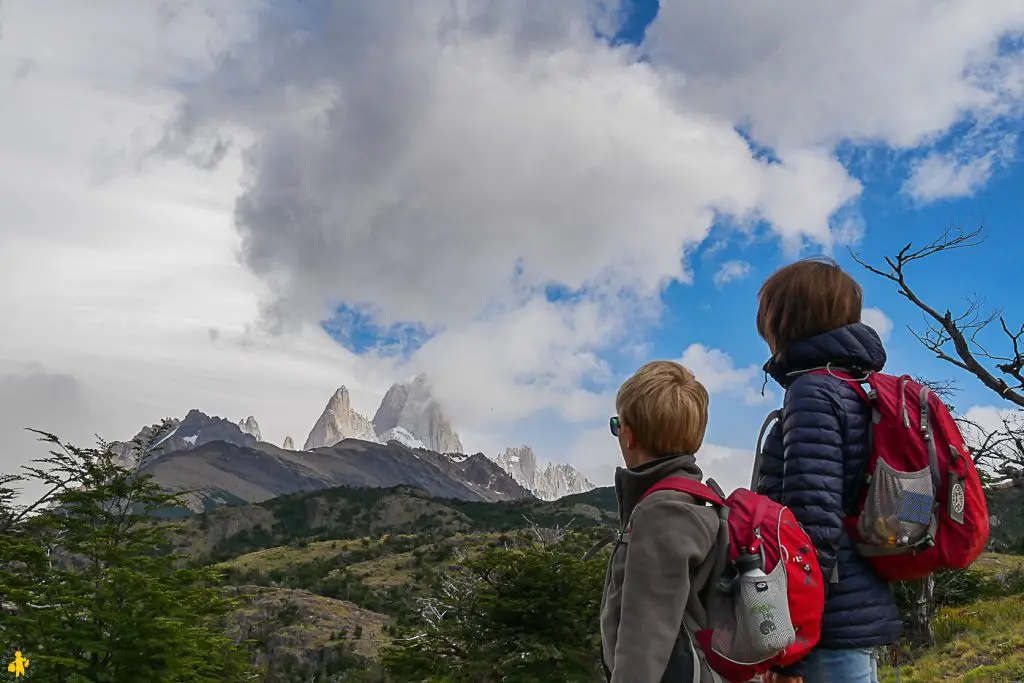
[(899, 507)]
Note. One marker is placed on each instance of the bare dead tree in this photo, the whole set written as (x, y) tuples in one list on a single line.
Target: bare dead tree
[(956, 339), (999, 450), (548, 537)]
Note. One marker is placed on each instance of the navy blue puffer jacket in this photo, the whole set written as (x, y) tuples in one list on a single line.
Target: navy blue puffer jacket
[(814, 460)]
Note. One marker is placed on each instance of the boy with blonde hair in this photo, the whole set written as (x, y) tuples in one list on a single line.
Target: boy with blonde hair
[(652, 579)]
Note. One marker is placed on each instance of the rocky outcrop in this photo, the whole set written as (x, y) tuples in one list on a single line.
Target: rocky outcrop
[(551, 482), (249, 426), (301, 632), (411, 406), (338, 422)]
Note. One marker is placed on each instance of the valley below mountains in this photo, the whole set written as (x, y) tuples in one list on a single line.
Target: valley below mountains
[(215, 462)]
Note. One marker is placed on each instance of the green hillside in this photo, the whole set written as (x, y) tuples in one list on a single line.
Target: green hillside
[(370, 584)]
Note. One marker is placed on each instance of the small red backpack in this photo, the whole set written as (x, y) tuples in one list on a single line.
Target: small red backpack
[(764, 592), (922, 507)]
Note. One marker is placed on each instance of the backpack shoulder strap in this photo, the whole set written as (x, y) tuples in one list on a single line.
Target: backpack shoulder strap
[(855, 383), (755, 472), (698, 490)]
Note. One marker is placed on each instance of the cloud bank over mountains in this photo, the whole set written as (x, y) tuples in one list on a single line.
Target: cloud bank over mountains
[(494, 181)]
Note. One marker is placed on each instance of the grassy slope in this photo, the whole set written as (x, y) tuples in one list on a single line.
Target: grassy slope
[(982, 642), (976, 643)]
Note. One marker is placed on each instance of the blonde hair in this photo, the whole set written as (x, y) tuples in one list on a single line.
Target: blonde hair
[(665, 407)]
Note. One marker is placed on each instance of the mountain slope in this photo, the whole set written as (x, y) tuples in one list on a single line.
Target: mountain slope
[(353, 513), (196, 429), (226, 473)]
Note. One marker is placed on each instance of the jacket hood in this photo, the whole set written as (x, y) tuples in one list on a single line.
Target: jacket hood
[(631, 484), (853, 347)]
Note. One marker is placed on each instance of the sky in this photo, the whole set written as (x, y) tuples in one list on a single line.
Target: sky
[(240, 205)]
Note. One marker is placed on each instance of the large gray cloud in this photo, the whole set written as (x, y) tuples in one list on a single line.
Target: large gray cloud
[(818, 72), (443, 165), (432, 163)]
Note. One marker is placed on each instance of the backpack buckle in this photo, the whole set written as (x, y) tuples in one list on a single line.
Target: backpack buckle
[(925, 543)]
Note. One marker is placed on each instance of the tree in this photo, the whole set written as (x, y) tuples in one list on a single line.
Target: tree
[(968, 341), (89, 587), (527, 612), (1003, 371), (964, 341)]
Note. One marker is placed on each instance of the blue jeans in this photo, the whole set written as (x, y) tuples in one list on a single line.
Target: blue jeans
[(841, 666)]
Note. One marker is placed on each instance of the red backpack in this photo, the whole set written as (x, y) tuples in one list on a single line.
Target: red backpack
[(922, 507), (766, 595)]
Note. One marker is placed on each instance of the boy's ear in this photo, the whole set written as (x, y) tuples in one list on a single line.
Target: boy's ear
[(627, 435)]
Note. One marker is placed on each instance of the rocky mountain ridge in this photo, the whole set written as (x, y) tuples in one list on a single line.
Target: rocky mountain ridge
[(550, 482), (410, 424), (219, 473), (408, 413)]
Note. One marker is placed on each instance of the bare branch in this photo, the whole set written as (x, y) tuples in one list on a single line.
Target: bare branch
[(961, 332), (998, 450)]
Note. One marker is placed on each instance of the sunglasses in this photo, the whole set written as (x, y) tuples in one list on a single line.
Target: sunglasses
[(615, 425)]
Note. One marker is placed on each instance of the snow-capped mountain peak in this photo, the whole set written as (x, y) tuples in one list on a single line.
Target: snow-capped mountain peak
[(251, 427), (412, 406), (338, 422), (289, 444), (551, 482), (196, 429)]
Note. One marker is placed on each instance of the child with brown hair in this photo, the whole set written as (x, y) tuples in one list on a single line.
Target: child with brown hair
[(816, 456)]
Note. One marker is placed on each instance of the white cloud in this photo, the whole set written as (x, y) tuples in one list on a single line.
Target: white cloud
[(440, 166), (941, 176), (719, 375), (877, 320), (730, 467), (804, 73), (731, 271)]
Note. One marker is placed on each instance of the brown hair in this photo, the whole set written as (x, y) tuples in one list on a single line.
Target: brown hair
[(665, 407), (805, 299)]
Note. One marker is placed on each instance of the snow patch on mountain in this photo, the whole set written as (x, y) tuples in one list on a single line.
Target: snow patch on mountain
[(196, 429), (339, 422), (402, 436), (551, 482)]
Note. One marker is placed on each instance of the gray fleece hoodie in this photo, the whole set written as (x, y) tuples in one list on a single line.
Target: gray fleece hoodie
[(649, 582)]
